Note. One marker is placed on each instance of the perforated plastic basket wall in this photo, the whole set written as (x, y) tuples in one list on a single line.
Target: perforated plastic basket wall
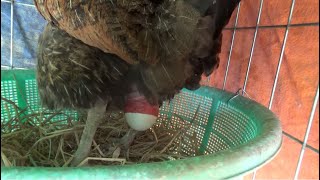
[(20, 87), (234, 135)]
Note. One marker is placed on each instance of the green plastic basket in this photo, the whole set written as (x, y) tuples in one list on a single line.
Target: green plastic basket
[(235, 135)]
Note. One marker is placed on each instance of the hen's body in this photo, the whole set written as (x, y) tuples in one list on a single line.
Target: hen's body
[(154, 35), (171, 43), (71, 74)]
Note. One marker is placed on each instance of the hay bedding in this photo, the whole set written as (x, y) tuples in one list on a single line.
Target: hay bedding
[(28, 141)]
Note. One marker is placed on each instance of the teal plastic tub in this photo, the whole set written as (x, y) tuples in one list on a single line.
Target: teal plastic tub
[(236, 135)]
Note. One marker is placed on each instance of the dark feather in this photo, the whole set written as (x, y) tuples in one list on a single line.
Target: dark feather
[(205, 56), (71, 74)]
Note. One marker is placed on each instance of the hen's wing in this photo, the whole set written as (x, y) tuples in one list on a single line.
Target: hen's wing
[(205, 55), (71, 74), (164, 79)]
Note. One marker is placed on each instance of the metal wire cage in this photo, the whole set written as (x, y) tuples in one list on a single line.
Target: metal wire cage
[(234, 30)]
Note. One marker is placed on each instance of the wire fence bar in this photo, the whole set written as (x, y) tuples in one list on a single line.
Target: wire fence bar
[(313, 110), (281, 55), (251, 55), (11, 34), (253, 46), (231, 47), (273, 26)]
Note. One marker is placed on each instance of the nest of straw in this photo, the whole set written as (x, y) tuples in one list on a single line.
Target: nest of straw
[(36, 140)]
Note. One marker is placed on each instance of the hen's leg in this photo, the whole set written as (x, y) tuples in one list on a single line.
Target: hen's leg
[(94, 117), (124, 142), (128, 138)]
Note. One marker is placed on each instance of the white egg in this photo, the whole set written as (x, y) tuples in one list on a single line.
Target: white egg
[(139, 121)]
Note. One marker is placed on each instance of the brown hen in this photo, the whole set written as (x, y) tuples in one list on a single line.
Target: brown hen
[(171, 42), (169, 45)]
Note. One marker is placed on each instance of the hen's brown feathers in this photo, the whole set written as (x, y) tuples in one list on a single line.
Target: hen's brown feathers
[(71, 74), (170, 43), (135, 30)]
